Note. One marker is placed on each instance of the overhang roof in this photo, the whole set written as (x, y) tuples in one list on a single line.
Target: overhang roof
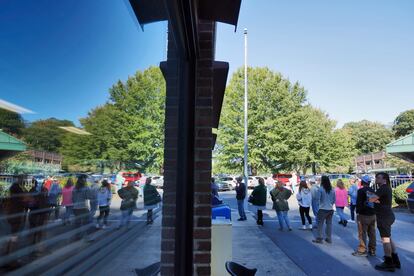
[(10, 145), (402, 148)]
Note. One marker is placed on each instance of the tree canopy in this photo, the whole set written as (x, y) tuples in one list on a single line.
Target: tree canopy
[(11, 122), (368, 136), (126, 131), (404, 124), (285, 132)]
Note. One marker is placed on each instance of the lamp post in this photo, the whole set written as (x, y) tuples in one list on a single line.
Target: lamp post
[(246, 149)]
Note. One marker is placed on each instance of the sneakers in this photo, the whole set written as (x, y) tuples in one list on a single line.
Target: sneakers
[(310, 227), (396, 260), (320, 241), (359, 254), (328, 240), (303, 227), (372, 253)]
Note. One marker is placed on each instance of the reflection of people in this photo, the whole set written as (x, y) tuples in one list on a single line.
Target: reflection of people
[(54, 194), (258, 199), (104, 201), (366, 219), (151, 199), (129, 196), (385, 218), (67, 200), (240, 196), (80, 196)]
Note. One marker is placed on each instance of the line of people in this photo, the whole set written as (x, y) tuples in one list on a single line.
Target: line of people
[(373, 209)]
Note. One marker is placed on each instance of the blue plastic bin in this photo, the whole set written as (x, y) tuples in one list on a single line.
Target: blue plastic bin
[(221, 212)]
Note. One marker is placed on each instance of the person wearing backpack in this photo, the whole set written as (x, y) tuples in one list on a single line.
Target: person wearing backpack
[(151, 199), (304, 198), (129, 196), (366, 220), (104, 196), (54, 194)]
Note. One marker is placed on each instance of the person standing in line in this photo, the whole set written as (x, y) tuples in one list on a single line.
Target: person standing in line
[(280, 196), (67, 200), (55, 192), (240, 196), (93, 199), (129, 196), (366, 219), (80, 196), (353, 193), (258, 199), (104, 197), (38, 215), (315, 200), (294, 182), (385, 218), (214, 187), (341, 195), (326, 198), (151, 199), (304, 198)]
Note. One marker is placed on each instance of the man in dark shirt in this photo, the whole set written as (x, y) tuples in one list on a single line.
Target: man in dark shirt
[(366, 219), (240, 196), (385, 219)]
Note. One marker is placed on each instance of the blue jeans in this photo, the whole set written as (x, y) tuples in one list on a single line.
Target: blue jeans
[(340, 212), (240, 206), (282, 216), (126, 217), (315, 209), (94, 208), (68, 213)]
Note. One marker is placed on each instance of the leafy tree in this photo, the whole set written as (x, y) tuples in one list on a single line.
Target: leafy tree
[(368, 136), (285, 133), (45, 134), (11, 122), (404, 124), (128, 131)]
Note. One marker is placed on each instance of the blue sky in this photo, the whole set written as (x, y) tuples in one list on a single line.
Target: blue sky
[(58, 58)]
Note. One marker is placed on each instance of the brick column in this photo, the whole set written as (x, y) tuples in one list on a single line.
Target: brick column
[(203, 149), (202, 159)]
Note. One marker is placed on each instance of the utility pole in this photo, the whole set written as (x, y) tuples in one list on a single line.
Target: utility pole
[(246, 149)]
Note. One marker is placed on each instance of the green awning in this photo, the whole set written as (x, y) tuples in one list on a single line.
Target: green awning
[(402, 148), (9, 145)]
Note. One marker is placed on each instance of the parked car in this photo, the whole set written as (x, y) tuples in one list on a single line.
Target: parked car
[(230, 180), (284, 177), (339, 176), (158, 181), (410, 198), (224, 186), (123, 177)]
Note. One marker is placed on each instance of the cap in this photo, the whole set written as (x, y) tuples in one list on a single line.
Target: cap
[(366, 179)]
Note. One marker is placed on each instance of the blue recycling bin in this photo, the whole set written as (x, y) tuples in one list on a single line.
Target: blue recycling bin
[(222, 211)]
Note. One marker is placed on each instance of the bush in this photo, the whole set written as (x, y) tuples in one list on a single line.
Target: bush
[(399, 194)]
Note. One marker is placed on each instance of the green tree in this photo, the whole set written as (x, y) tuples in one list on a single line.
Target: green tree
[(45, 134), (368, 136), (404, 124), (11, 122), (128, 131), (284, 132)]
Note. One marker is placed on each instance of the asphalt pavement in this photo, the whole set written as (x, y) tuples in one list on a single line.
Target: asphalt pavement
[(333, 259)]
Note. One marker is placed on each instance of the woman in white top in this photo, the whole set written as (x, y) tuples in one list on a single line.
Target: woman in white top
[(304, 197)]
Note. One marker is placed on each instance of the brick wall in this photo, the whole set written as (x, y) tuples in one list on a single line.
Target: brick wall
[(202, 158)]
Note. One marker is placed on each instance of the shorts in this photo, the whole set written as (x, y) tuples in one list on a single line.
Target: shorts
[(384, 225)]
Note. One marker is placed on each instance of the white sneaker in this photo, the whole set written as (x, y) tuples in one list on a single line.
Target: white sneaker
[(303, 227), (97, 226), (310, 226)]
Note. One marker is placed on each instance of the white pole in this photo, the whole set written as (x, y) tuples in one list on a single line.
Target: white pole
[(246, 172)]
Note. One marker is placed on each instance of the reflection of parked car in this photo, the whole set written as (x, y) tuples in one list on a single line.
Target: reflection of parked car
[(338, 176), (410, 199), (158, 181), (230, 180), (224, 186), (123, 177)]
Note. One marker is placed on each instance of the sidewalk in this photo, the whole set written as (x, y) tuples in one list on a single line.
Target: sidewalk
[(252, 248)]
